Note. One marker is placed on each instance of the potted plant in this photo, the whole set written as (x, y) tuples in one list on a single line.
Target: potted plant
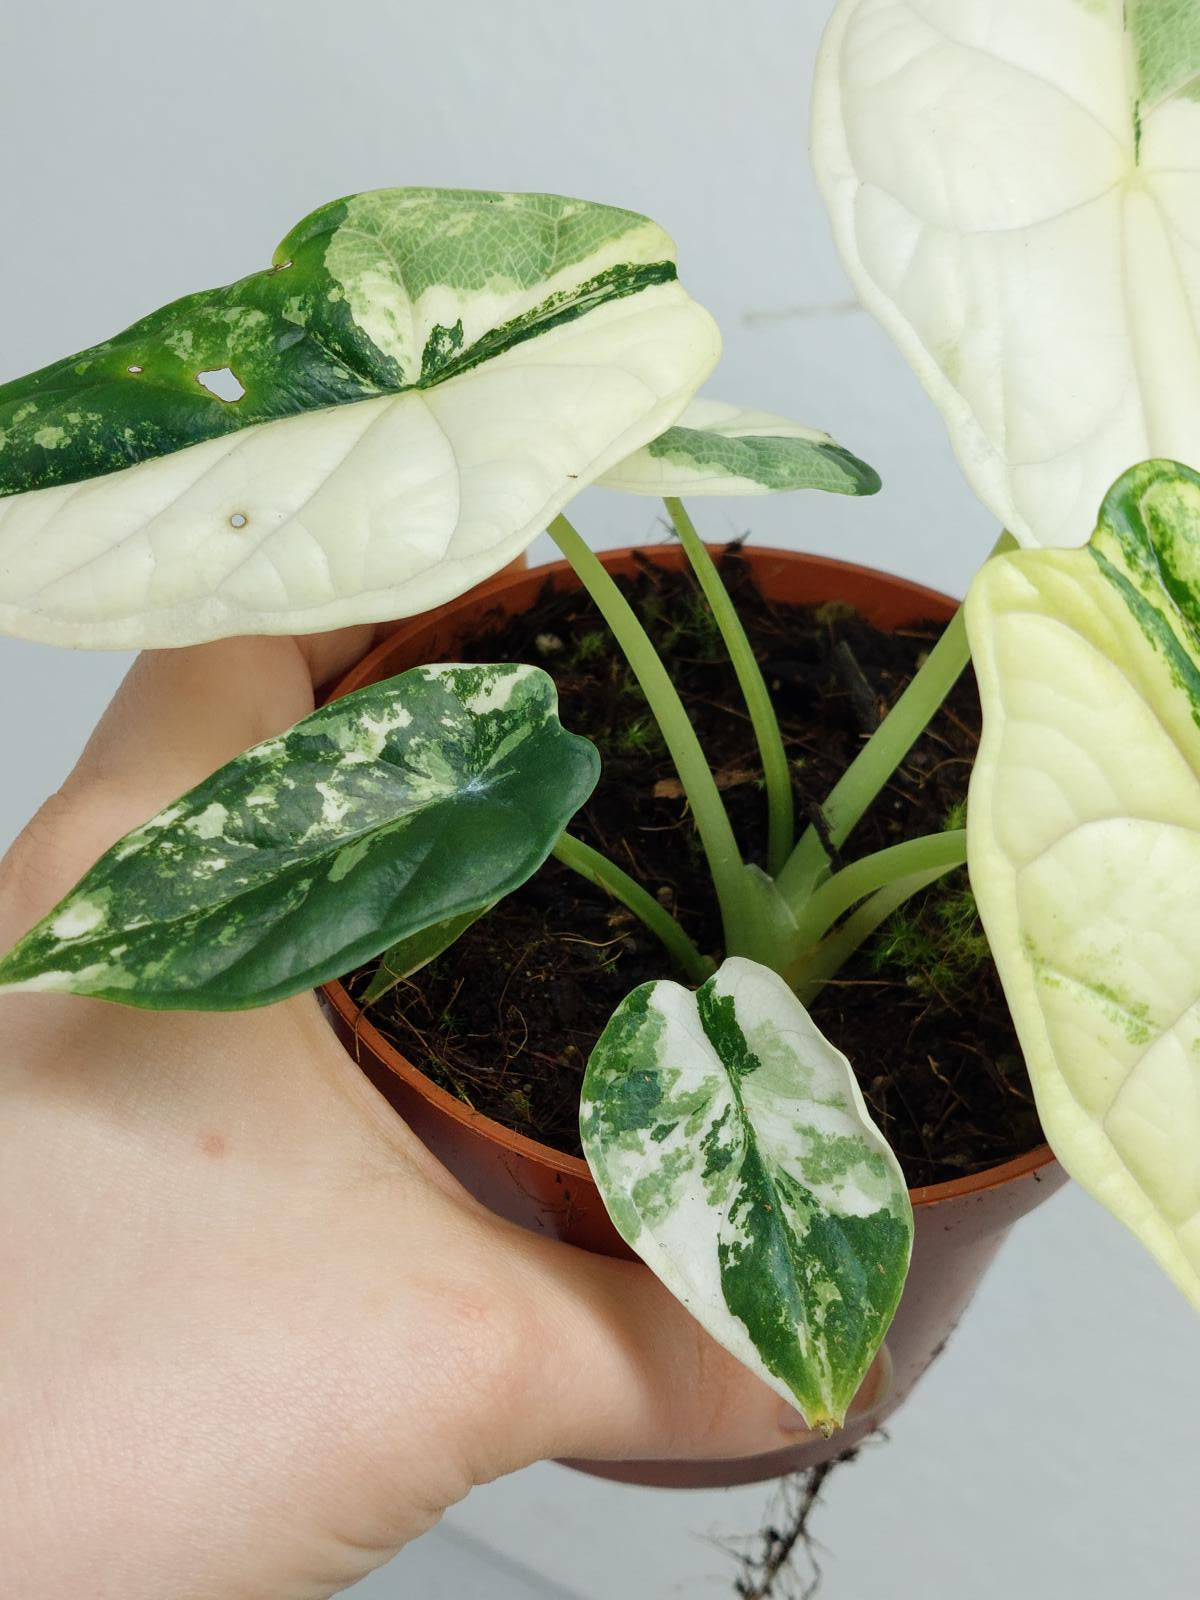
[(419, 385)]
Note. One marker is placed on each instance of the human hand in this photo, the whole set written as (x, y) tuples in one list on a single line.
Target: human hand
[(253, 1338)]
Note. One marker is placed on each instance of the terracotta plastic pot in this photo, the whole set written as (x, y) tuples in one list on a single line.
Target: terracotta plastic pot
[(959, 1225)]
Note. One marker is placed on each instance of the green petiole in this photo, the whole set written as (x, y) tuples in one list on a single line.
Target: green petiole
[(781, 834), (887, 747), (811, 973), (708, 809), (936, 852), (877, 760), (598, 869)]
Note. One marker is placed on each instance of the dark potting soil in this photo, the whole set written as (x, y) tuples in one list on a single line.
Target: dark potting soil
[(507, 1017)]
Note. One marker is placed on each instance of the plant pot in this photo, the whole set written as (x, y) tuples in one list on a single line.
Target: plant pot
[(959, 1225)]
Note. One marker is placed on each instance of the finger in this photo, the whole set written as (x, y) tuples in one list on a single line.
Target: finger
[(180, 714), (176, 718), (624, 1372)]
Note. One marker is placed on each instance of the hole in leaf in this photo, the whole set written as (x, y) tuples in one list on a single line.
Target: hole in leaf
[(282, 266), (133, 369), (238, 520), (222, 384)]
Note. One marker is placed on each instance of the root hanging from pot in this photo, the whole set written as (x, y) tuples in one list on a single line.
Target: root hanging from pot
[(768, 1570)]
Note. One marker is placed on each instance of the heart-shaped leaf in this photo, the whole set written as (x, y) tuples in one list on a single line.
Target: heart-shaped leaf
[(1013, 186), (736, 1156), (1084, 845), (393, 810), (384, 418), (722, 449)]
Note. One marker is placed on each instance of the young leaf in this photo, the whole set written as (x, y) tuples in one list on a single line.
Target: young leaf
[(736, 1156), (386, 417), (1012, 185), (721, 449), (383, 814), (417, 951), (1084, 845)]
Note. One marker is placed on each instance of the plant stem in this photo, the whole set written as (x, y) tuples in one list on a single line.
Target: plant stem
[(826, 905), (878, 759), (781, 834), (598, 869), (712, 822), (810, 975), (882, 754)]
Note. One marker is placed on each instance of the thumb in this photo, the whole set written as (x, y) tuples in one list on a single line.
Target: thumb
[(176, 718), (624, 1372), (182, 713)]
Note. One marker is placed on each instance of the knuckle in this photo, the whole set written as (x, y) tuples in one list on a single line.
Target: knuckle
[(58, 844), (36, 855)]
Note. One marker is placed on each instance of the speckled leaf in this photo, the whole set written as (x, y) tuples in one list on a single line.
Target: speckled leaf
[(1014, 185), (722, 449), (736, 1156), (388, 415), (1084, 845), (400, 807)]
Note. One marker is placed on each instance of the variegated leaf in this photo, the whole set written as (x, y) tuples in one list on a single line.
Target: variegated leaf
[(1013, 186), (736, 1156), (387, 416), (722, 449), (391, 811), (1084, 845)]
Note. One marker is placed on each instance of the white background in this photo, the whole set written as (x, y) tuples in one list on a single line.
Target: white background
[(150, 149)]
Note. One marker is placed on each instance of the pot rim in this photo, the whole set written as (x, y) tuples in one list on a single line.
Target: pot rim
[(520, 1144)]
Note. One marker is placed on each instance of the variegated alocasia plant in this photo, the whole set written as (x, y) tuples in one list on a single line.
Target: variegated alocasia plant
[(412, 392), (423, 381)]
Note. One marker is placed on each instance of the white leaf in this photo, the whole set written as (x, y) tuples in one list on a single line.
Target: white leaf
[(1084, 845), (1013, 186)]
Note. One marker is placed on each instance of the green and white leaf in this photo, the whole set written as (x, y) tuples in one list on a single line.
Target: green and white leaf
[(428, 377), (392, 811), (1084, 845), (716, 448), (1013, 186), (736, 1156)]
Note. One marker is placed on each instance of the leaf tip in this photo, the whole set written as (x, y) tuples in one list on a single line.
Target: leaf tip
[(862, 478)]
